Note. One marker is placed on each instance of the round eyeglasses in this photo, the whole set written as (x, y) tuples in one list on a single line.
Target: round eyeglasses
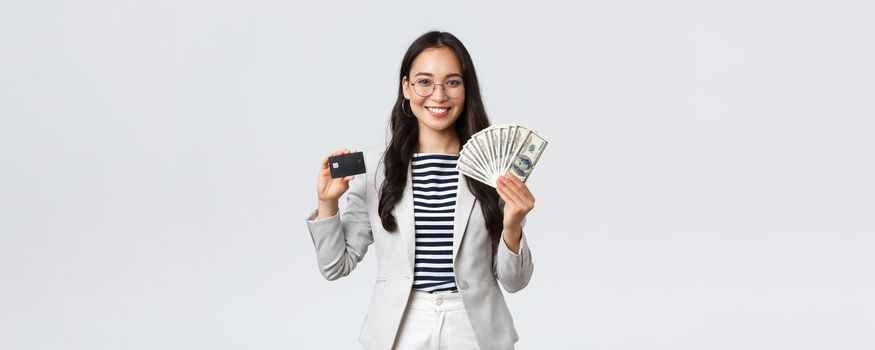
[(425, 87)]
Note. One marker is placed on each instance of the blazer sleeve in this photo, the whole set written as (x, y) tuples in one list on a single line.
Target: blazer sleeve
[(342, 240), (513, 269)]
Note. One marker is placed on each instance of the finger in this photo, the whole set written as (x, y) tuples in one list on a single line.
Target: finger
[(524, 191), (508, 192), (325, 160), (519, 184), (514, 181), (339, 152), (500, 190), (324, 172), (524, 197), (510, 187), (332, 154)]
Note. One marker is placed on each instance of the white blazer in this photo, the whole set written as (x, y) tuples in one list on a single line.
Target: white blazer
[(341, 242)]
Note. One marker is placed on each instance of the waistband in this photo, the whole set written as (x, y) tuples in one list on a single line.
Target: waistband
[(437, 301)]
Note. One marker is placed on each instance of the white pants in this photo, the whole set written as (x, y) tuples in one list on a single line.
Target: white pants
[(435, 321)]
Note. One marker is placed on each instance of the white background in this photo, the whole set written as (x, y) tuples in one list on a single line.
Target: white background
[(708, 183)]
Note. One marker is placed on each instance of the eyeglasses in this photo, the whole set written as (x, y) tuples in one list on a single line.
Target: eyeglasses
[(425, 87)]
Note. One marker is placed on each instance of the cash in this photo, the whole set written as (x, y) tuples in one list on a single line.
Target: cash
[(501, 149)]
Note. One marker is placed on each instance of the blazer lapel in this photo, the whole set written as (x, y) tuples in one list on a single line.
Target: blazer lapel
[(404, 218), (464, 204)]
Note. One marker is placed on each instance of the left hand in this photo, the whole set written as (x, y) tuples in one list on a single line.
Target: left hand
[(518, 201)]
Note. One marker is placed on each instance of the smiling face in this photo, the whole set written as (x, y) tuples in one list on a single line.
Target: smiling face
[(439, 110)]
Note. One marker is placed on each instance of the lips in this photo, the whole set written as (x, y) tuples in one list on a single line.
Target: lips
[(438, 111)]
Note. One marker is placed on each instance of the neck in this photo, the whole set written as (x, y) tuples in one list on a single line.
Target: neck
[(444, 141)]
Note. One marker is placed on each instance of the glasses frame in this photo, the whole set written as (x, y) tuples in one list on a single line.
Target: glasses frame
[(433, 88)]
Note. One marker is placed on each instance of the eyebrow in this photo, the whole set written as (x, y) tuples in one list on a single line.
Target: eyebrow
[(431, 75)]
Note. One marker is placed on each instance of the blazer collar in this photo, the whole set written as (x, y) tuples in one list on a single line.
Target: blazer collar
[(464, 204), (405, 219)]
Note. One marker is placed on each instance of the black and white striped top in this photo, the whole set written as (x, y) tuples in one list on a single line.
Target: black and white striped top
[(435, 182)]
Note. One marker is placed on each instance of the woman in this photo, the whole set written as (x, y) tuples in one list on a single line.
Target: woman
[(443, 241)]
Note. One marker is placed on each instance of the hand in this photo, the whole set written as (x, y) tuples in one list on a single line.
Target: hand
[(518, 201), (329, 190)]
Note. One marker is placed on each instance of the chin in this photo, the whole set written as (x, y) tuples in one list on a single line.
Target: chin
[(438, 125)]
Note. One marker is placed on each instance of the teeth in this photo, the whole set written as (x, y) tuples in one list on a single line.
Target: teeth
[(437, 110)]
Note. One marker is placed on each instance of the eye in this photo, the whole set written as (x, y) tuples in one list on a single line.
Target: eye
[(424, 82), (454, 83)]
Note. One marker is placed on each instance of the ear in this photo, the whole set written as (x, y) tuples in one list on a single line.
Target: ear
[(405, 88)]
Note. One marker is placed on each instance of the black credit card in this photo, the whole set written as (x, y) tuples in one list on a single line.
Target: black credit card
[(346, 164)]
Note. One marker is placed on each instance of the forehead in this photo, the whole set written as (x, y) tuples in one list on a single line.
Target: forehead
[(439, 61)]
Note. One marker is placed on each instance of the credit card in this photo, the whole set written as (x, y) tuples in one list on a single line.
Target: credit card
[(346, 164)]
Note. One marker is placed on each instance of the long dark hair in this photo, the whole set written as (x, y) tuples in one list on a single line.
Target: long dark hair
[(405, 134)]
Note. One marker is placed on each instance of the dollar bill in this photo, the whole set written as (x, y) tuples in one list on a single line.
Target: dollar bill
[(501, 149), (527, 157)]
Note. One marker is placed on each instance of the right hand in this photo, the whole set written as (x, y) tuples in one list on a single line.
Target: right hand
[(329, 190)]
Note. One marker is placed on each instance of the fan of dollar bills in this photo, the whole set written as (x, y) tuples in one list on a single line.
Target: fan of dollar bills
[(500, 149)]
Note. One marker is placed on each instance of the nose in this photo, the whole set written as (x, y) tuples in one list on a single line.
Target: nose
[(439, 94)]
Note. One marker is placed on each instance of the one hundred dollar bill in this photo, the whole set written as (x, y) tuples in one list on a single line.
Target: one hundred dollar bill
[(527, 157)]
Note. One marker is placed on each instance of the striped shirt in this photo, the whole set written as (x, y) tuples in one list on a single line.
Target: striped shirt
[(435, 182)]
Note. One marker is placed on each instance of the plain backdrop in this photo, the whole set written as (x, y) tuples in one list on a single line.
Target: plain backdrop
[(708, 183)]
